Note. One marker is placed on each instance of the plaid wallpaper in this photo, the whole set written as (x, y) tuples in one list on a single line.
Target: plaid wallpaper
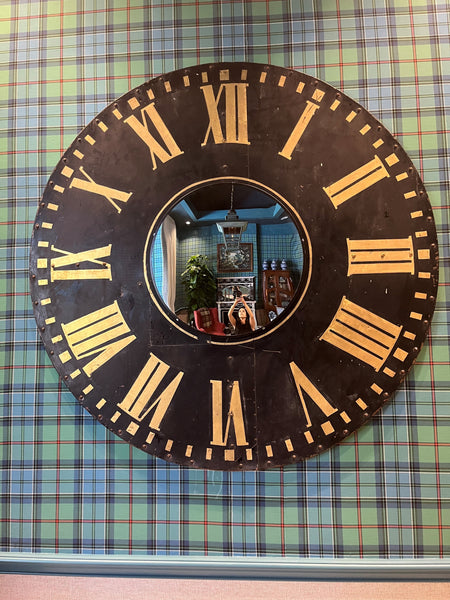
[(67, 484)]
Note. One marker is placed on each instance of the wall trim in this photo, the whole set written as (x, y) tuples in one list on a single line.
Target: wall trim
[(227, 567)]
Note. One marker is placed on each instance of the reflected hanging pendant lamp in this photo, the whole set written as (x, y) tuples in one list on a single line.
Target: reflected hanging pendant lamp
[(232, 228)]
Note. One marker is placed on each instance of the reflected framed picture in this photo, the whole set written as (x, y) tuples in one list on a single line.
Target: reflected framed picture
[(235, 260)]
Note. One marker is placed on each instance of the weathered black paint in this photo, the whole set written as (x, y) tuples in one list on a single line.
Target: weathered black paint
[(329, 148)]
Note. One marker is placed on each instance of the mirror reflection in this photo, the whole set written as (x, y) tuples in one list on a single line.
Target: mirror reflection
[(227, 259)]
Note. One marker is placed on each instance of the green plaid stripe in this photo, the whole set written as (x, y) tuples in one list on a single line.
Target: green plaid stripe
[(68, 485)]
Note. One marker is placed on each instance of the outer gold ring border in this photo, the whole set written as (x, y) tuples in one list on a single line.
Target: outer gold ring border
[(183, 192)]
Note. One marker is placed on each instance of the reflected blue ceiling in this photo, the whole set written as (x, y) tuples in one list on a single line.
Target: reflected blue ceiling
[(211, 203)]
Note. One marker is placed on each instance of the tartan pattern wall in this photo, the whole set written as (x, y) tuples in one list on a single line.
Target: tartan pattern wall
[(68, 484)]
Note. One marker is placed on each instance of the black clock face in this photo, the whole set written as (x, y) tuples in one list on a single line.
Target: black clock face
[(296, 385)]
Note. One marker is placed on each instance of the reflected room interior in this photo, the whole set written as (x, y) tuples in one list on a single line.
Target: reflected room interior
[(251, 247)]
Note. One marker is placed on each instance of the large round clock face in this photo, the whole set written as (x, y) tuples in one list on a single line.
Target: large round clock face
[(299, 383)]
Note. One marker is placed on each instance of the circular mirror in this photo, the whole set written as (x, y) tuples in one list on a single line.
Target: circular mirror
[(228, 258)]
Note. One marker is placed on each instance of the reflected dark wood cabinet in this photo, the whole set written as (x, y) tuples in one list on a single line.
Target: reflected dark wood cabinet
[(277, 290)]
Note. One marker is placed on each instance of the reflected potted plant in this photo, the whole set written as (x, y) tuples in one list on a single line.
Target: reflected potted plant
[(199, 283)]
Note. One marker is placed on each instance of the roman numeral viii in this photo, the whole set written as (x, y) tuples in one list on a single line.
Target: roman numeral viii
[(362, 333), (140, 399), (101, 334)]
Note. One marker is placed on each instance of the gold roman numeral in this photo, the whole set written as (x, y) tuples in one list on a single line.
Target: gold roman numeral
[(304, 385), (102, 334), (362, 333), (236, 126), (299, 129), (141, 128), (380, 256), (103, 271), (138, 402), (356, 182), (235, 415), (110, 194)]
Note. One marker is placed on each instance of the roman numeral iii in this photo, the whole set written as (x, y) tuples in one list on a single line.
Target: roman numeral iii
[(380, 256)]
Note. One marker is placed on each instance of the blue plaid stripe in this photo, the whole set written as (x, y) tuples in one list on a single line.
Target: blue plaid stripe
[(67, 484)]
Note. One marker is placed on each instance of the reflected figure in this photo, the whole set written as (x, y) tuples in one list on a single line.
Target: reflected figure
[(215, 275), (245, 322)]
